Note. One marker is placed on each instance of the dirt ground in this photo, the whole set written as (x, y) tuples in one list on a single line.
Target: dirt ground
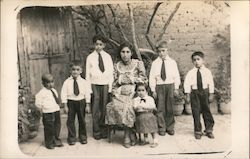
[(182, 144)]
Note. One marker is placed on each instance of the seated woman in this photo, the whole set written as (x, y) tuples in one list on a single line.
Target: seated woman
[(127, 73)]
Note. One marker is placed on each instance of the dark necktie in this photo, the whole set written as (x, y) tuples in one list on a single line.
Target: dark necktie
[(101, 65), (163, 71), (199, 80), (55, 97), (76, 88), (143, 100)]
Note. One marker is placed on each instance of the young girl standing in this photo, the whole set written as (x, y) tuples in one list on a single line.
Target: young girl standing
[(146, 121)]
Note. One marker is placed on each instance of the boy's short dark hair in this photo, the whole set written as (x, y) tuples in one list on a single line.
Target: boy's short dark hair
[(75, 63), (99, 37), (140, 84), (161, 44), (197, 53), (45, 78)]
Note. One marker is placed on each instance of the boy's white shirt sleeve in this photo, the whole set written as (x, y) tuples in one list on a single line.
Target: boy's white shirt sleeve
[(152, 78), (39, 100), (87, 76), (210, 82), (187, 83), (177, 80), (87, 92), (64, 92)]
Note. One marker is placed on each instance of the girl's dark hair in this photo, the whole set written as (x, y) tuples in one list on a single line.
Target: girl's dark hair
[(197, 53), (140, 84), (130, 46)]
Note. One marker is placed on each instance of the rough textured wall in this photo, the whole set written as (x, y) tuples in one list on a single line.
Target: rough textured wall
[(196, 26)]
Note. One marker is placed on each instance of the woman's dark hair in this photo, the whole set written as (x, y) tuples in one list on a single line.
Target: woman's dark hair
[(130, 46)]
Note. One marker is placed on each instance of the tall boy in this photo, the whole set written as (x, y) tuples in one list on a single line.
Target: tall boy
[(164, 81), (47, 101), (199, 86), (75, 96), (99, 74)]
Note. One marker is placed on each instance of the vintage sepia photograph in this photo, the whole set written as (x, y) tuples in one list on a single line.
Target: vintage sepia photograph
[(125, 79)]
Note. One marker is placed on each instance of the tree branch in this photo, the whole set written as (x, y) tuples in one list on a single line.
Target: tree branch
[(109, 39), (131, 15), (149, 26), (168, 21), (117, 25)]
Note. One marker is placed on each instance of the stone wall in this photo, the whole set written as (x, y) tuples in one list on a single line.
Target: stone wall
[(196, 26)]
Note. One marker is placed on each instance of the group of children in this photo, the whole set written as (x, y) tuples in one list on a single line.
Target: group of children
[(77, 93)]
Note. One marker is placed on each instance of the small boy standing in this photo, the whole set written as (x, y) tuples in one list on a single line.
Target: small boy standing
[(99, 74), (199, 87), (164, 81), (75, 97), (47, 101)]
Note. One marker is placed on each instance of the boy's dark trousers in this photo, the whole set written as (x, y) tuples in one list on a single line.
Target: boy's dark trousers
[(52, 127), (165, 114), (200, 104), (100, 99), (76, 108)]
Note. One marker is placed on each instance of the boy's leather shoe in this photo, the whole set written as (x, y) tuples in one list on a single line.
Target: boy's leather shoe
[(83, 141), (50, 147), (171, 132), (59, 145), (197, 136), (104, 136), (72, 143), (97, 137), (162, 133), (210, 135)]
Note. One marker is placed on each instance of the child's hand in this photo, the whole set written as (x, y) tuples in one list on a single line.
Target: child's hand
[(188, 98), (87, 109), (66, 109), (154, 95), (211, 97)]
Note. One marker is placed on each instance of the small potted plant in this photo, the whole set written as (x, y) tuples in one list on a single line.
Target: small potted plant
[(223, 85), (179, 101), (224, 99)]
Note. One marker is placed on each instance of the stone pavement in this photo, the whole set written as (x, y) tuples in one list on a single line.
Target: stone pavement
[(182, 144)]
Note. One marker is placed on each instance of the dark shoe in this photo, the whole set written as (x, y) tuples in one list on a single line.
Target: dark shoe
[(104, 136), (127, 145), (72, 143), (83, 141), (210, 135), (59, 145), (97, 137), (50, 147), (171, 132), (161, 133), (197, 136)]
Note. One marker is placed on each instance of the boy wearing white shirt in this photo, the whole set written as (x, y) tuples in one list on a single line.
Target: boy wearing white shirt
[(164, 81), (75, 96), (99, 74), (47, 101), (199, 87)]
